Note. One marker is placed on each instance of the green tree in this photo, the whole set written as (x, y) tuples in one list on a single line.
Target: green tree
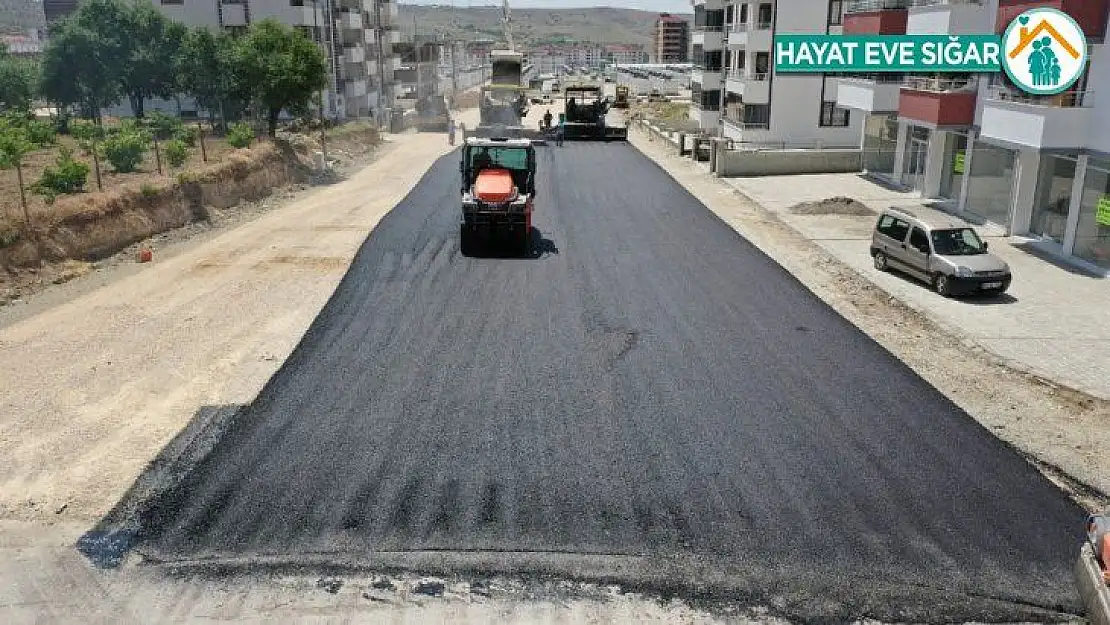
[(207, 70), (18, 82), (14, 146), (282, 67), (78, 69)]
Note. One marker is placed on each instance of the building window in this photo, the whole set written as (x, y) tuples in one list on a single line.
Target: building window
[(991, 185), (836, 12), (766, 11), (1052, 200), (834, 116), (168, 2), (296, 3), (1092, 236)]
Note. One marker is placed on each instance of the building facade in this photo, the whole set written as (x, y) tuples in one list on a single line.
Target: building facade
[(1036, 166), (670, 39), (356, 36), (735, 91), (625, 54)]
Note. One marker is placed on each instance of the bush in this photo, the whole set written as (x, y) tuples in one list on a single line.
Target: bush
[(148, 190), (86, 131), (66, 176), (164, 126), (125, 148), (42, 133), (187, 135), (240, 136), (176, 152)]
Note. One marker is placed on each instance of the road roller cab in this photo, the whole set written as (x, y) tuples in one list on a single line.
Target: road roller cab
[(498, 188)]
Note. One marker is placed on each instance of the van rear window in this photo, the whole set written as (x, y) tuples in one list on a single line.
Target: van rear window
[(893, 227)]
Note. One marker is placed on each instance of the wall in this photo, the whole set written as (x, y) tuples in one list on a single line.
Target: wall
[(736, 163), (1098, 82)]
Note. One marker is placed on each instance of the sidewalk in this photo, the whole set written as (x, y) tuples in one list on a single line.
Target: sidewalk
[(1050, 322)]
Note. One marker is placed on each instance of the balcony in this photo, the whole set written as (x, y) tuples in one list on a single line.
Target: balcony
[(938, 102), (750, 35), (877, 94), (875, 17), (355, 88), (707, 77), (354, 54), (754, 87), (943, 17), (1089, 14), (745, 132), (349, 20), (709, 37), (1060, 121), (707, 115)]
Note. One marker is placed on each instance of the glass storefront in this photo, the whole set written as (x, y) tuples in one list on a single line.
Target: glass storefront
[(880, 144), (1092, 237), (913, 158), (955, 157), (990, 189), (1052, 200)]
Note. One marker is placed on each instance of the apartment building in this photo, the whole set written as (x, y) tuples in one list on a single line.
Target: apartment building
[(357, 37), (1035, 166), (670, 39), (625, 54), (418, 75), (735, 91)]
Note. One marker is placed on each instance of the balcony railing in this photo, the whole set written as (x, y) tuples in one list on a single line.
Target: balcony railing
[(870, 6), (939, 85), (933, 3), (739, 74), (1067, 99), (709, 29), (747, 125), (705, 106), (882, 78)]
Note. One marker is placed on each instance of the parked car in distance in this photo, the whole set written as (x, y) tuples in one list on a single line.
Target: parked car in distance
[(948, 255)]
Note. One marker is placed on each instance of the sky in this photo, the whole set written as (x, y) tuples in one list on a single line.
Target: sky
[(673, 6)]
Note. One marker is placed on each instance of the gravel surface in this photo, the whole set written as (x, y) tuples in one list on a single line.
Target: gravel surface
[(648, 398), (833, 206)]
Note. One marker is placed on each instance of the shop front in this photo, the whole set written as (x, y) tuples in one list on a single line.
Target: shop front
[(953, 166), (1053, 198), (991, 182), (880, 145), (1092, 233)]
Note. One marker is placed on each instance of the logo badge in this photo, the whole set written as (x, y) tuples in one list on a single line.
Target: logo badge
[(1044, 51)]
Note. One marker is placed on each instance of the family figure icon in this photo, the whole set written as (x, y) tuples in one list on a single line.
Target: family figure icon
[(1044, 67)]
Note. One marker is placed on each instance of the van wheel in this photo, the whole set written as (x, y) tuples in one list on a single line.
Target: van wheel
[(880, 261), (943, 285)]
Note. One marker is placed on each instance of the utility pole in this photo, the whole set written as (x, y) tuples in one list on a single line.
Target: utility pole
[(323, 124)]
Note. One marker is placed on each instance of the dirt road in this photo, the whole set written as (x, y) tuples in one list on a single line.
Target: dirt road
[(95, 387)]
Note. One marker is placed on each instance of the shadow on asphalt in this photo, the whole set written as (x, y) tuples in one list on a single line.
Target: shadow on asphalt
[(538, 247)]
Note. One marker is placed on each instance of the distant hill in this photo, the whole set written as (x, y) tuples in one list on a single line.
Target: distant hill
[(532, 26), (17, 16)]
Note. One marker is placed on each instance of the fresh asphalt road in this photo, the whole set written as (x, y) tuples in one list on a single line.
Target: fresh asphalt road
[(647, 399)]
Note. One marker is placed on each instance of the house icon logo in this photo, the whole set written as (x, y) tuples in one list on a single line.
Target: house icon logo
[(1045, 51)]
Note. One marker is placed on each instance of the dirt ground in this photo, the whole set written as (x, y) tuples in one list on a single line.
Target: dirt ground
[(833, 206), (1061, 431)]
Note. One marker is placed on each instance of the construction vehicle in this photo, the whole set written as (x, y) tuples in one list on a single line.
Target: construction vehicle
[(1092, 570), (620, 100), (498, 191), (586, 113), (432, 114), (504, 103)]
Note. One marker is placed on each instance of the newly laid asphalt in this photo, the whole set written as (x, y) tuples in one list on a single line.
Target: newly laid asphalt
[(647, 399)]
